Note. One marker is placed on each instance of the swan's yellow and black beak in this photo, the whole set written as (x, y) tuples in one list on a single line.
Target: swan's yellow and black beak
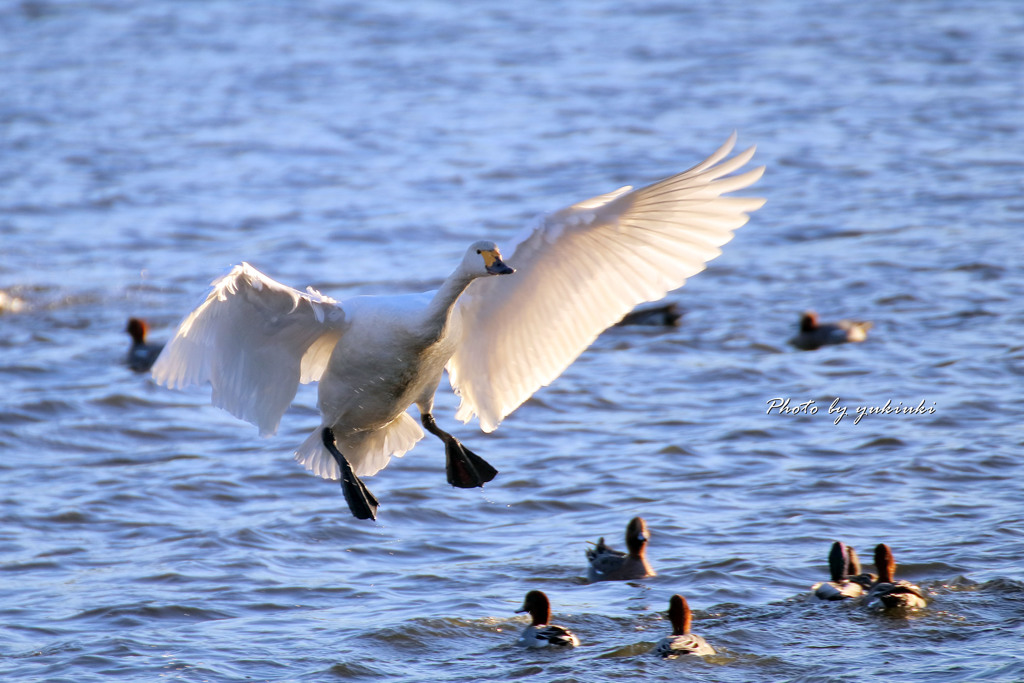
[(494, 264)]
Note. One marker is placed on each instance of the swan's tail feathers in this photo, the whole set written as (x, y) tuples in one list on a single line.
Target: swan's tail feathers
[(368, 452), (314, 457)]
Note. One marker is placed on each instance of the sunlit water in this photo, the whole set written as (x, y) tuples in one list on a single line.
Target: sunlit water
[(147, 147)]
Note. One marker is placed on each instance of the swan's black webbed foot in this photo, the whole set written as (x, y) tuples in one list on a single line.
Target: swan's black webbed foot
[(360, 501), (465, 469)]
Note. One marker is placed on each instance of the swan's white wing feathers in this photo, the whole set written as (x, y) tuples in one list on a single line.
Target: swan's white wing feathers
[(253, 339), (580, 270)]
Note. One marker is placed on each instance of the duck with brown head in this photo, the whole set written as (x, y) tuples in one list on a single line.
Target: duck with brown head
[(541, 633), (141, 354), (681, 641), (887, 592), (614, 565), (847, 581), (814, 334)]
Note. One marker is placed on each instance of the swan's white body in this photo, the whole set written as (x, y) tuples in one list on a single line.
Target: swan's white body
[(500, 338)]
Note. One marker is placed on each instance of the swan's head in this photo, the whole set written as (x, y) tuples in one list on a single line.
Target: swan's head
[(483, 258)]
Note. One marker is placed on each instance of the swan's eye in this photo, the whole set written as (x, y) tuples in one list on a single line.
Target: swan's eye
[(478, 251)]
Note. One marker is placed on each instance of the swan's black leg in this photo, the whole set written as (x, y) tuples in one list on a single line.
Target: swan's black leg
[(465, 468), (360, 501)]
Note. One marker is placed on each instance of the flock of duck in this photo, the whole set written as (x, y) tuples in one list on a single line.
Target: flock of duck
[(879, 591), (606, 564), (848, 582)]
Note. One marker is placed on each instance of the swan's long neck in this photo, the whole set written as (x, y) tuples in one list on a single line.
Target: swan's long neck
[(441, 305)]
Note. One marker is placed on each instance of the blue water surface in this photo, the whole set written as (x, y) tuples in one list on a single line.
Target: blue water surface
[(145, 148)]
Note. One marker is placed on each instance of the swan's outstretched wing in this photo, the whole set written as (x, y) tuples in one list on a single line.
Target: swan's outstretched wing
[(581, 269), (253, 340)]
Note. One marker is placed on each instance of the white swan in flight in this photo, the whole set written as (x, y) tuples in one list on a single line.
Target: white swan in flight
[(577, 272)]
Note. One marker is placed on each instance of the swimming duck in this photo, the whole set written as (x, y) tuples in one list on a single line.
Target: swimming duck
[(665, 315), (845, 571), (142, 354), (501, 337), (614, 565), (681, 642), (540, 633), (814, 334), (887, 592)]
